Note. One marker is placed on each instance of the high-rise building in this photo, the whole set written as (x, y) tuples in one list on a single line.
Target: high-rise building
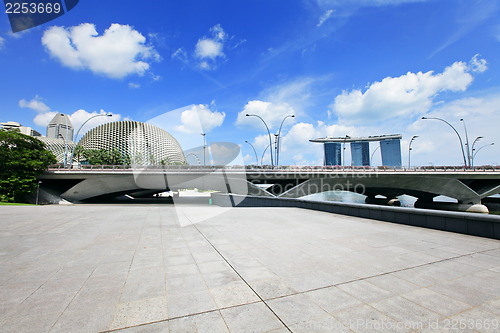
[(360, 153), (60, 128), (390, 149), (391, 152), (333, 153), (15, 126)]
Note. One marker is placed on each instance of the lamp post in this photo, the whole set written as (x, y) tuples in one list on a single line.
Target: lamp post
[(268, 132), (204, 147), (76, 136), (459, 137), (37, 191), (278, 139), (409, 150), (371, 157), (467, 142), (262, 158), (474, 143), (254, 151), (343, 150), (65, 150), (474, 154)]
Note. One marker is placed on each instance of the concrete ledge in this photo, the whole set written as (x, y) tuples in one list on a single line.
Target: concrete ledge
[(465, 223)]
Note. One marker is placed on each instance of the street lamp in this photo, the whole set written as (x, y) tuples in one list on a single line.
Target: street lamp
[(343, 150), (262, 158), (254, 151), (474, 154), (475, 141), (76, 136), (204, 147), (371, 157), (278, 139), (65, 149), (409, 149), (467, 142), (268, 132), (459, 137), (37, 191)]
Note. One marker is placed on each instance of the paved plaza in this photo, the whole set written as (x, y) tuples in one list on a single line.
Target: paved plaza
[(201, 268)]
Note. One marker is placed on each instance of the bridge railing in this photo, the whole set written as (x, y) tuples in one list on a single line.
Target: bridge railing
[(266, 168)]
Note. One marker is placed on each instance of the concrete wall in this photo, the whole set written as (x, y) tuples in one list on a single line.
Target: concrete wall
[(464, 223)]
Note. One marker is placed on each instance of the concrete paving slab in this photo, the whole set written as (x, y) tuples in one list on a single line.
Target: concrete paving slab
[(93, 268)]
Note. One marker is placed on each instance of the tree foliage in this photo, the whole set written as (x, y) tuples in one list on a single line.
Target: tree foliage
[(22, 159), (104, 157)]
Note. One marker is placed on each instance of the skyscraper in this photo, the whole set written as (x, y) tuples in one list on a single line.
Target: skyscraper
[(391, 152), (360, 153), (60, 128), (333, 153)]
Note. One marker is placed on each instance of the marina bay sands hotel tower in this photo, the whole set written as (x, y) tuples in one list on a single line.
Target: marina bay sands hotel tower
[(390, 149)]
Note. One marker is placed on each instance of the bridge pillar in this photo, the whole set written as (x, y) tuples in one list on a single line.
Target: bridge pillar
[(459, 207)]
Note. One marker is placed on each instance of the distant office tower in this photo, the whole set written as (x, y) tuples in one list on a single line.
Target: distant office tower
[(333, 153), (60, 128), (360, 153), (391, 152)]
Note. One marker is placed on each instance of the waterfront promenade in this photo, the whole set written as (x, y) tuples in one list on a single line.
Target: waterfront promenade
[(200, 268)]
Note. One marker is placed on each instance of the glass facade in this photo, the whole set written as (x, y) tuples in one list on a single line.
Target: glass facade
[(360, 153), (333, 153), (391, 152)]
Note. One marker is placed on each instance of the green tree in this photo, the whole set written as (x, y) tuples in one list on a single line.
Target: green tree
[(22, 159), (105, 157)]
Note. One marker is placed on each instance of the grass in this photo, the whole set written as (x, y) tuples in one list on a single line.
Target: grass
[(14, 204)]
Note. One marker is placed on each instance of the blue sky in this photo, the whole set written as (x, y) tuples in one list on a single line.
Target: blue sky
[(343, 67)]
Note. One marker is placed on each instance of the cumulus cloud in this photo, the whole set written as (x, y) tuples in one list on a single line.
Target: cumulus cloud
[(208, 49), (120, 51), (438, 143), (77, 118), (200, 119), (326, 15), (408, 95), (34, 104), (272, 113)]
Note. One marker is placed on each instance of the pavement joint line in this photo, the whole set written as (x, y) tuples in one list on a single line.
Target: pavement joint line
[(179, 317), (241, 277), (128, 273)]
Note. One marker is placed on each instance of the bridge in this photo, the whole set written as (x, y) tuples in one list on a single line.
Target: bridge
[(381, 185)]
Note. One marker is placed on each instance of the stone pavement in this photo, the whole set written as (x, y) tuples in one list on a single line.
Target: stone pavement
[(193, 268)]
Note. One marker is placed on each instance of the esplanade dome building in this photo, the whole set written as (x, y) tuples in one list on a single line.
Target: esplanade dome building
[(144, 143)]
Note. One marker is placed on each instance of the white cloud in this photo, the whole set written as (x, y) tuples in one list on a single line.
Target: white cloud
[(133, 85), (34, 104), (43, 119), (120, 51), (272, 113), (478, 65), (439, 144), (208, 49), (326, 15), (2, 42), (408, 95), (200, 119)]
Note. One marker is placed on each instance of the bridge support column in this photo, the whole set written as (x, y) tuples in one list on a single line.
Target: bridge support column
[(458, 207)]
